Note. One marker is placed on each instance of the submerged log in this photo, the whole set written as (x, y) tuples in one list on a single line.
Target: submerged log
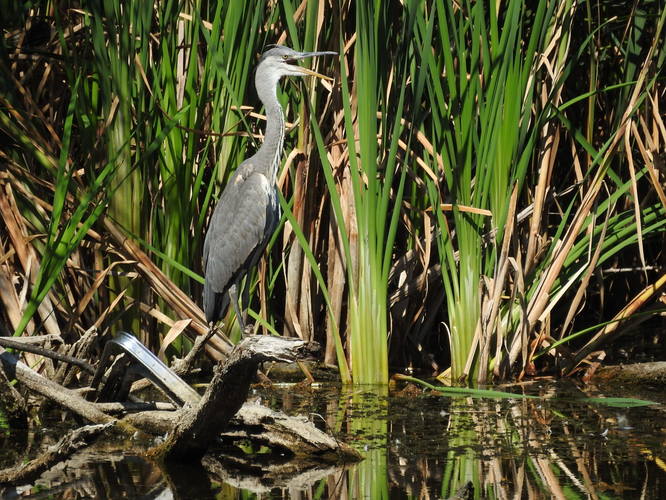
[(197, 427)]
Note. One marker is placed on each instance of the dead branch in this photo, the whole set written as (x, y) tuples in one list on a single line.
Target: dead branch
[(193, 429), (81, 349), (197, 427), (72, 442), (152, 422), (134, 407), (47, 353), (261, 426), (182, 367), (41, 385), (39, 339)]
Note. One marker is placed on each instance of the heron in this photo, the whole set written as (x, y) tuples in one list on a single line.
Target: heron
[(247, 212)]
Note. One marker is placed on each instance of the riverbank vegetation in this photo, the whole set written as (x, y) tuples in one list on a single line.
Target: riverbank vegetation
[(478, 194)]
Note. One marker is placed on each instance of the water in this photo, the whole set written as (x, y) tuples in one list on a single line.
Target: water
[(417, 445)]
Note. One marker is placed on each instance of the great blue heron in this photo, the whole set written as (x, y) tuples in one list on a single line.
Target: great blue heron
[(248, 211)]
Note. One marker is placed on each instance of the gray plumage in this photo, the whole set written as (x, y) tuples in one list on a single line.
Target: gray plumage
[(248, 211)]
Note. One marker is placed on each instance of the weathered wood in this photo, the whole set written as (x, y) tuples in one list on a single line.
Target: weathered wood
[(39, 339), (47, 353), (296, 435), (637, 373), (182, 367), (75, 440), (41, 385), (117, 407), (81, 349), (152, 422), (198, 427), (193, 430), (262, 426)]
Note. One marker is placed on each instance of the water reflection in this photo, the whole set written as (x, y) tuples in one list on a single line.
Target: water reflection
[(416, 446)]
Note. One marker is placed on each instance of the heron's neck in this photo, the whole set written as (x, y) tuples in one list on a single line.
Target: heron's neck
[(270, 152)]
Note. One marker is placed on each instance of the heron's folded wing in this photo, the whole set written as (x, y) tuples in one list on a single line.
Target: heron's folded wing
[(236, 230)]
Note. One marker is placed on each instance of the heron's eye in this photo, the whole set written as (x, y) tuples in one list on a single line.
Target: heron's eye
[(285, 57)]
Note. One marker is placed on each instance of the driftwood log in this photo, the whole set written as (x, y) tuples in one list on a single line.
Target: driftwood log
[(218, 417), (196, 428)]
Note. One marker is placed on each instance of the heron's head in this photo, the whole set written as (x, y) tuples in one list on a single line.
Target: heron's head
[(280, 61)]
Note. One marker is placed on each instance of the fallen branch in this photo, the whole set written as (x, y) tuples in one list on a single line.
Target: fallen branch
[(75, 440), (193, 429), (41, 385), (134, 407), (197, 427), (39, 339), (182, 367), (47, 353)]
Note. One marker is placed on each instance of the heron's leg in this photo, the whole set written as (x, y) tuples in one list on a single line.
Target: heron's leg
[(233, 295), (245, 295)]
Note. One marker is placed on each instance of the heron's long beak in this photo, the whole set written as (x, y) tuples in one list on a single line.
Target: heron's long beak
[(306, 71)]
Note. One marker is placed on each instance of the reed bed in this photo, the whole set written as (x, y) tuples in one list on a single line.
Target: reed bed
[(479, 193)]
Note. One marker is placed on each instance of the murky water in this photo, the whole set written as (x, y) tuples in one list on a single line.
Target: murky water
[(417, 445)]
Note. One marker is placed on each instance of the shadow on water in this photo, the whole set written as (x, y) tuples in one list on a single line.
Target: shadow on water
[(417, 445)]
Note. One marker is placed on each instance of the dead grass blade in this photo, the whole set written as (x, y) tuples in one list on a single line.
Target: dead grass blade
[(174, 332), (582, 288)]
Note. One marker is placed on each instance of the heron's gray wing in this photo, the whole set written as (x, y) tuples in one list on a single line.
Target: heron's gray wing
[(236, 231)]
